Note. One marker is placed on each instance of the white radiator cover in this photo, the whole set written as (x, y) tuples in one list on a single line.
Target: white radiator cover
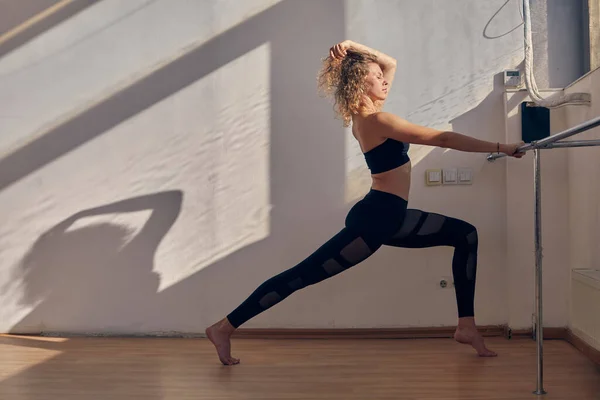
[(585, 305)]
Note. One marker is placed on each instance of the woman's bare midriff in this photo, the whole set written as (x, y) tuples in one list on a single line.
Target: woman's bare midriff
[(395, 181)]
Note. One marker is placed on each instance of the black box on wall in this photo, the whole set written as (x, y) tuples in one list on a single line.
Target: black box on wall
[(535, 122)]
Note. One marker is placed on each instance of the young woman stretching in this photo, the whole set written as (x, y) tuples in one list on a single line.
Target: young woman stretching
[(359, 78)]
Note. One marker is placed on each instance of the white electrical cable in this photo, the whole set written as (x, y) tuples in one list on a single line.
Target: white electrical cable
[(573, 98)]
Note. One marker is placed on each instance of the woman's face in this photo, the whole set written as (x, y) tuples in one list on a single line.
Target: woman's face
[(376, 86)]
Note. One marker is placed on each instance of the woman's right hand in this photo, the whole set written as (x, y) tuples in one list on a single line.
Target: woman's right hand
[(510, 149), (338, 51)]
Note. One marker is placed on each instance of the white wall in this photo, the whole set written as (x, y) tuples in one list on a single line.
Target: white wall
[(208, 111), (584, 189)]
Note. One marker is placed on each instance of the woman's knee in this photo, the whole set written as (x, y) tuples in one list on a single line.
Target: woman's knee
[(465, 232)]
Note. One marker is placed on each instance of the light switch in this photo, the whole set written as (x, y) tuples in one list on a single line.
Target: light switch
[(433, 177), (465, 176), (449, 176)]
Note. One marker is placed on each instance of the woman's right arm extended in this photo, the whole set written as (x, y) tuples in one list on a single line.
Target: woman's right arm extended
[(392, 126)]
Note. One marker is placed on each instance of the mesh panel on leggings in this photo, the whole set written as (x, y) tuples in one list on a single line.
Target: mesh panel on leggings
[(433, 223), (332, 267), (471, 239), (296, 284), (270, 299), (410, 222), (356, 251)]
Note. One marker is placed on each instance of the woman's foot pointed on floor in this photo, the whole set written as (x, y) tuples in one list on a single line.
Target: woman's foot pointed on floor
[(467, 333), (220, 336)]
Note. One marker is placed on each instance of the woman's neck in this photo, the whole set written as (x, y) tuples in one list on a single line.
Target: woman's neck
[(364, 113), (366, 109)]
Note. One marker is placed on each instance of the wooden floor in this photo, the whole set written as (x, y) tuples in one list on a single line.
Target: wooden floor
[(163, 369)]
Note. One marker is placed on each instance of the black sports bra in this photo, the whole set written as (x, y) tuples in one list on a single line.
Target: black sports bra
[(387, 155)]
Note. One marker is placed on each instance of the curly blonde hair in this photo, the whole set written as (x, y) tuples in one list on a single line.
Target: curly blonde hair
[(344, 81)]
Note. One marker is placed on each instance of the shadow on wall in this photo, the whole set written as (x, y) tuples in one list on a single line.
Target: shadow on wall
[(109, 273), (492, 32), (98, 269), (22, 21)]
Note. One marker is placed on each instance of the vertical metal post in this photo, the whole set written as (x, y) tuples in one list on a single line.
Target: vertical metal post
[(539, 330)]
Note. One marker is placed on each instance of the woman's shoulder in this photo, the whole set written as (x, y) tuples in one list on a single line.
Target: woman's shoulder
[(382, 120), (385, 117)]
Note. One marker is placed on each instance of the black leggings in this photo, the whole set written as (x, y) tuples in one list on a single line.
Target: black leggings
[(380, 218)]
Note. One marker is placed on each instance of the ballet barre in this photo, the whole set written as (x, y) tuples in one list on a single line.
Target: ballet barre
[(550, 142)]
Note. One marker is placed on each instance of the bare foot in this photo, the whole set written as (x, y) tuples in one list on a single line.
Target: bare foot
[(470, 335), (219, 334)]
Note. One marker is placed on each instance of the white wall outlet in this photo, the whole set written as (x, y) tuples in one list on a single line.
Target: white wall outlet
[(450, 176), (433, 177), (465, 176)]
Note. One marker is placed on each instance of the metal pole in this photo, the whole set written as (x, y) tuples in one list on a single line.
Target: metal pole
[(572, 143), (538, 271), (592, 123)]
